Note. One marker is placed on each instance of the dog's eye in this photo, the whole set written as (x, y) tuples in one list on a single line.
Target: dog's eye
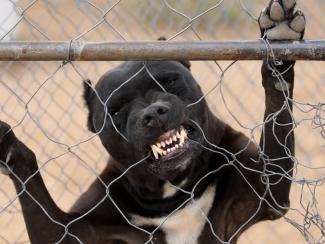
[(170, 82), (114, 112)]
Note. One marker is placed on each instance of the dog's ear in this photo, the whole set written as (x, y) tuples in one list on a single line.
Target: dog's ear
[(186, 63), (87, 97)]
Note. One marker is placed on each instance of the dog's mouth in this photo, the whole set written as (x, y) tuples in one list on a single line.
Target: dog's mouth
[(170, 145)]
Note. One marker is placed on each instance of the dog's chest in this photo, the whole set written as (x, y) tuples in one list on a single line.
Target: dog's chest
[(185, 225)]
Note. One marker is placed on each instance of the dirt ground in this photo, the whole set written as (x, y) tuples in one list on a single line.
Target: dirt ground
[(57, 114)]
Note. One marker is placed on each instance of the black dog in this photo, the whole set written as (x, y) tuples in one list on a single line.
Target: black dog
[(181, 165)]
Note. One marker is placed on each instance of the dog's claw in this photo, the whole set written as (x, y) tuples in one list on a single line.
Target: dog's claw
[(5, 169), (5, 148)]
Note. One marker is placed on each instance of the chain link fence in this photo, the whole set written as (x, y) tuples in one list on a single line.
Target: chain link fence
[(43, 100)]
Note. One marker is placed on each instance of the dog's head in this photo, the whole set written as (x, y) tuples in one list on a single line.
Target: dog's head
[(146, 113)]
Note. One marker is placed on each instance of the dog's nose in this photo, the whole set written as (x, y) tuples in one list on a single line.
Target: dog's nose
[(156, 114)]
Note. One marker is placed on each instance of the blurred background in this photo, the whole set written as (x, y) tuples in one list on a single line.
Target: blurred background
[(43, 100)]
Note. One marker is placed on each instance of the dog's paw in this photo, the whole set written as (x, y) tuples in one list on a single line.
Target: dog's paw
[(7, 138), (280, 21), (15, 157)]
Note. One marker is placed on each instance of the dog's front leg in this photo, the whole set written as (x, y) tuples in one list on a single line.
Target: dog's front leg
[(279, 21), (42, 216)]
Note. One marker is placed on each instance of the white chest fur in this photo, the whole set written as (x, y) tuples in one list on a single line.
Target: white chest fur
[(185, 225)]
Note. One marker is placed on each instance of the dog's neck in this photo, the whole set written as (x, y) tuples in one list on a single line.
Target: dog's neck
[(166, 198)]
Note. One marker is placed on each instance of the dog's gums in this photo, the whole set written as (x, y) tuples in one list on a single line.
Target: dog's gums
[(169, 143)]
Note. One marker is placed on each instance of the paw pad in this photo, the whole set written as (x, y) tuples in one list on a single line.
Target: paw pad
[(276, 11), (279, 21)]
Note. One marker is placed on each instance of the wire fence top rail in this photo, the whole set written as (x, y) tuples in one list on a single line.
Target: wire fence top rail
[(161, 50)]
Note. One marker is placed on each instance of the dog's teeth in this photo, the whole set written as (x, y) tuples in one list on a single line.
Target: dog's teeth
[(159, 150), (174, 138), (163, 144), (164, 153), (185, 133), (168, 150), (170, 140), (178, 134), (176, 146), (155, 154), (173, 149), (158, 145), (181, 139), (183, 136), (156, 151)]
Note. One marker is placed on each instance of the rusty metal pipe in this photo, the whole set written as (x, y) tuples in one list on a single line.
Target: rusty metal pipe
[(161, 50)]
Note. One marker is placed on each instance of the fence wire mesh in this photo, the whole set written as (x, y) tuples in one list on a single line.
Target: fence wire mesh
[(43, 100)]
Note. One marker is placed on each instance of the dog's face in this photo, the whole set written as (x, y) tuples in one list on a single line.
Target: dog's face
[(147, 119)]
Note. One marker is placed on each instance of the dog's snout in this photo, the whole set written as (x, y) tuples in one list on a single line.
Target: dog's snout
[(156, 114)]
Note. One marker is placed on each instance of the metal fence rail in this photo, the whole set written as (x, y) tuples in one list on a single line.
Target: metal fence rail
[(161, 50)]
